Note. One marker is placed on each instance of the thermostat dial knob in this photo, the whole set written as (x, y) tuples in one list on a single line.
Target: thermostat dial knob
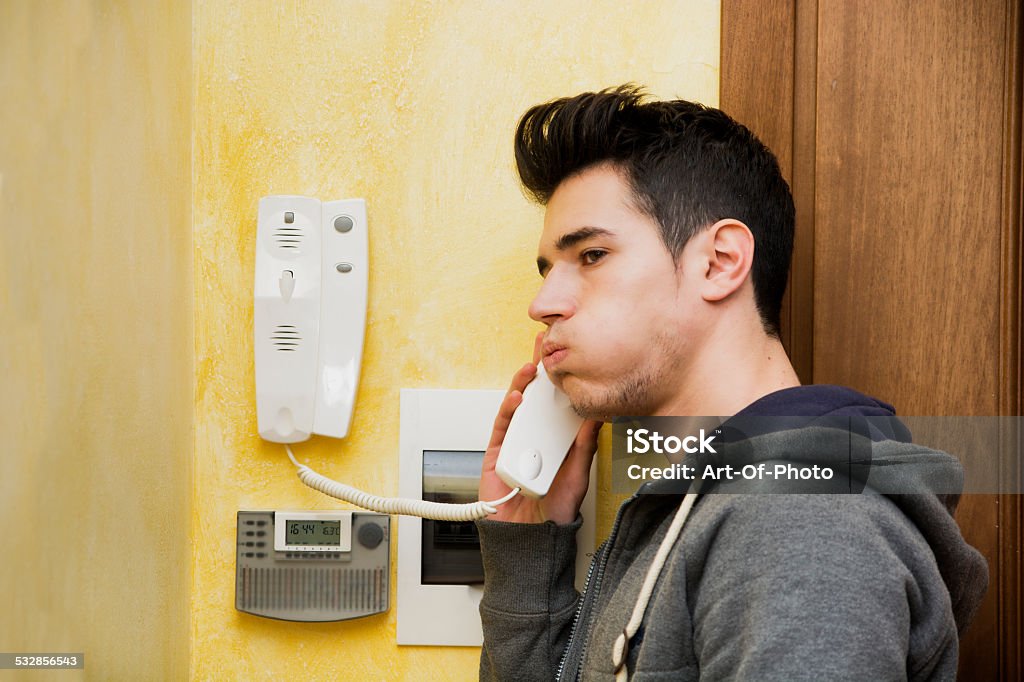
[(370, 535)]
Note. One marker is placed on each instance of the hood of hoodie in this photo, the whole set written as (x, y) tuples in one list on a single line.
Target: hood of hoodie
[(871, 450), (826, 400)]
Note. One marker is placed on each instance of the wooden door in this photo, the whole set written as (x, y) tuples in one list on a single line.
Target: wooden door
[(898, 123)]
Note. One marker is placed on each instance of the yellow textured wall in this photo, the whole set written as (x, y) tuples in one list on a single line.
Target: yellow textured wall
[(96, 352), (410, 105)]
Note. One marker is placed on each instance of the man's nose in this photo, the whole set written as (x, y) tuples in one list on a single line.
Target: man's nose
[(555, 300)]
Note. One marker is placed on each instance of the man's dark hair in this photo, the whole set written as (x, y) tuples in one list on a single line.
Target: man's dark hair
[(688, 166)]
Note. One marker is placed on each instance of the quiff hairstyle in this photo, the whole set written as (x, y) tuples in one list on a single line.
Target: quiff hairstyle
[(687, 166)]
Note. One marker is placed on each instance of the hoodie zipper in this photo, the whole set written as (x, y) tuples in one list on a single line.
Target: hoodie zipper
[(579, 609), (600, 561)]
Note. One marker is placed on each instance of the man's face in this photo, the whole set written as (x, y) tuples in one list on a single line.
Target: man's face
[(622, 322)]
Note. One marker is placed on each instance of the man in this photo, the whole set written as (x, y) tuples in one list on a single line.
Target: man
[(664, 255)]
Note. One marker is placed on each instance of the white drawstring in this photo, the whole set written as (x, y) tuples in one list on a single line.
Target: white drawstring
[(621, 649)]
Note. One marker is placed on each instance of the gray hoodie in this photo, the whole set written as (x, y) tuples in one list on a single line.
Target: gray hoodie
[(875, 585)]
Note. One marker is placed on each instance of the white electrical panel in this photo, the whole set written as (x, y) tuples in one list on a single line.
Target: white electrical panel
[(443, 437)]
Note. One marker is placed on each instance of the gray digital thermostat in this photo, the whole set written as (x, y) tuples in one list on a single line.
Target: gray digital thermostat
[(312, 565)]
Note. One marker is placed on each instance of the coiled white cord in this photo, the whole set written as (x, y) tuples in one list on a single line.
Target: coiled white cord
[(438, 511)]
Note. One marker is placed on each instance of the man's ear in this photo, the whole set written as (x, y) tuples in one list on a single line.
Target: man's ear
[(730, 255)]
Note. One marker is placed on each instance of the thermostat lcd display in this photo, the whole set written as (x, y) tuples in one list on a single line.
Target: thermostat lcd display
[(310, 532), (313, 531)]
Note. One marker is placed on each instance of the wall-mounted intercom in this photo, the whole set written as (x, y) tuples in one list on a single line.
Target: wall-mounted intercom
[(312, 565), (309, 315)]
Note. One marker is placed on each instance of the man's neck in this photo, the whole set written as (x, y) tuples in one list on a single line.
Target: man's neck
[(732, 373)]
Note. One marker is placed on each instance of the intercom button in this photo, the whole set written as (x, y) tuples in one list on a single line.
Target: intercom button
[(343, 223), (531, 463)]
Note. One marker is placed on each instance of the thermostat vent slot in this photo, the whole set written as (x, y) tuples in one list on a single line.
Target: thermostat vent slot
[(307, 588)]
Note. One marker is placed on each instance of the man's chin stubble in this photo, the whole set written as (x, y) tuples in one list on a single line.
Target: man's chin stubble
[(630, 397)]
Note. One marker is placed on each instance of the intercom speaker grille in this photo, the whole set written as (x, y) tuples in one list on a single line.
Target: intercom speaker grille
[(289, 237), (286, 338)]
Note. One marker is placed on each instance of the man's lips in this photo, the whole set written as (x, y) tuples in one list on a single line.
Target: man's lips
[(553, 354)]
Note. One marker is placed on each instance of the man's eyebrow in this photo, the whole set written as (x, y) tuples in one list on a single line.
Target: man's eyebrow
[(570, 239)]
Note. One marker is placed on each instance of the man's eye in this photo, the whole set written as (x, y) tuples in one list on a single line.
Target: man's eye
[(591, 256)]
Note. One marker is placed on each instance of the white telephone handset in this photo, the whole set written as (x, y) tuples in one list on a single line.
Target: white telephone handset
[(309, 315), (539, 436)]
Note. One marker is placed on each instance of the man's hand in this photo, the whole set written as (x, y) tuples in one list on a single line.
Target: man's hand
[(562, 503)]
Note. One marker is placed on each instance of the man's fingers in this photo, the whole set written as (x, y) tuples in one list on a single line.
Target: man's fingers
[(508, 407), (521, 378), (587, 437)]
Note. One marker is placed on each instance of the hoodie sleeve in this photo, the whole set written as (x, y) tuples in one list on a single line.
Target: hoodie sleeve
[(529, 597), (838, 587)]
